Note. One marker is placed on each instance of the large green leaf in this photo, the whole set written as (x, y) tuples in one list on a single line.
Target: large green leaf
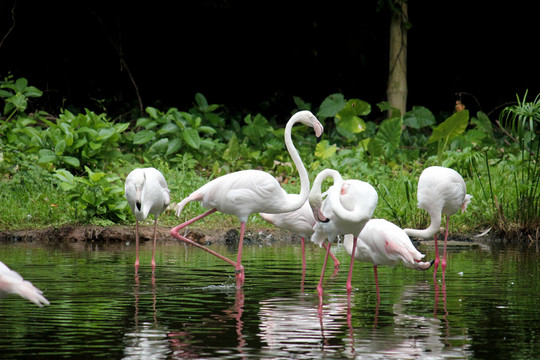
[(143, 136), (331, 106), (349, 117), (419, 117), (450, 128), (191, 137), (324, 150), (257, 127)]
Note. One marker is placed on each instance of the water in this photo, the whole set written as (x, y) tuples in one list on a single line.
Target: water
[(488, 307)]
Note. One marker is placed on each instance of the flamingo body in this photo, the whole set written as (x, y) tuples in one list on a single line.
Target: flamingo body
[(440, 191), (249, 191), (13, 283), (147, 193), (348, 206), (384, 243)]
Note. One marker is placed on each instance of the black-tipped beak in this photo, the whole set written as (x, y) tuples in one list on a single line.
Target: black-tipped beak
[(319, 138), (138, 205), (431, 264)]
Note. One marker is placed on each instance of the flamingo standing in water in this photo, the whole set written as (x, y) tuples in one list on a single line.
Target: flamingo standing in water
[(384, 243), (440, 191), (249, 191), (147, 193), (13, 283), (345, 210)]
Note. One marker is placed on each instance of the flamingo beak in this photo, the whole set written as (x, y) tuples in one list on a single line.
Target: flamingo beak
[(319, 216)]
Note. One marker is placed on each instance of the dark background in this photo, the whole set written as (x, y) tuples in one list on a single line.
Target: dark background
[(255, 56)]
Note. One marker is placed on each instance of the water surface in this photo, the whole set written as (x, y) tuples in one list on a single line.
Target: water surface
[(488, 306)]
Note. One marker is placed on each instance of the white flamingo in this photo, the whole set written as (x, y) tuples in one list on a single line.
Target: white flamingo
[(250, 191), (345, 210), (383, 243), (147, 193), (13, 283), (440, 191)]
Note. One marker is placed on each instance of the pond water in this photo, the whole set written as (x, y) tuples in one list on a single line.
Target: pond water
[(190, 308)]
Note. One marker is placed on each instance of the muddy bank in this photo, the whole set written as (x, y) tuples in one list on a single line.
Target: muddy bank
[(126, 234)]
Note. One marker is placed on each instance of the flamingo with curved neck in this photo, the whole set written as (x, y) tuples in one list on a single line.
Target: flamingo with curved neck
[(249, 191), (346, 209), (440, 191)]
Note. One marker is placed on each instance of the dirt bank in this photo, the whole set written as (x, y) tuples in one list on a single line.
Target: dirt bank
[(119, 234)]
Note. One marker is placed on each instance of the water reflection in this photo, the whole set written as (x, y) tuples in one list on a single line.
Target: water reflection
[(147, 340), (101, 308)]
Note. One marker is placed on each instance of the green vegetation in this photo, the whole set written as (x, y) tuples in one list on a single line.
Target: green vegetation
[(70, 168)]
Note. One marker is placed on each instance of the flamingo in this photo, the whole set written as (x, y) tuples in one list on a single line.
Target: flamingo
[(13, 283), (300, 221), (383, 243), (147, 193), (249, 191), (346, 209), (440, 191)]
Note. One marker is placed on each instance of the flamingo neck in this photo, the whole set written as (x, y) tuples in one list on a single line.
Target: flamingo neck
[(296, 202), (430, 231), (358, 215), (315, 196)]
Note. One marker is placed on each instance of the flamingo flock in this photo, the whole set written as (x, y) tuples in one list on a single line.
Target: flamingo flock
[(344, 209)]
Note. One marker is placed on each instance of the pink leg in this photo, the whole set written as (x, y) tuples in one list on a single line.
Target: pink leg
[(240, 276), (437, 259), (303, 244), (174, 233), (319, 287), (136, 245), (443, 262), (349, 278), (336, 261), (377, 283), (154, 247)]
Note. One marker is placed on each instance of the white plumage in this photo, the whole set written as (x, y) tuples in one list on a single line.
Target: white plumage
[(13, 283), (147, 193), (440, 191)]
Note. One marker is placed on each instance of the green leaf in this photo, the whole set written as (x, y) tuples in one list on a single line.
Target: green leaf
[(233, 150), (256, 128), (153, 112), (324, 150), (70, 160), (450, 128), (191, 137), (47, 156), (331, 106), (389, 135), (348, 118), (21, 84), (32, 91), (143, 136), (160, 146), (173, 146), (201, 101), (419, 117), (105, 134)]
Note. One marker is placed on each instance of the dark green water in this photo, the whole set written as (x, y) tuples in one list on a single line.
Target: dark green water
[(488, 308)]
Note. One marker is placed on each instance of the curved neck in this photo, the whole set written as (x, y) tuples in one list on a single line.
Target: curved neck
[(357, 215), (297, 201), (430, 231), (315, 195)]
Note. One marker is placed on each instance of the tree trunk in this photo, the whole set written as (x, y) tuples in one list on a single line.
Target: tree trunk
[(397, 76)]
